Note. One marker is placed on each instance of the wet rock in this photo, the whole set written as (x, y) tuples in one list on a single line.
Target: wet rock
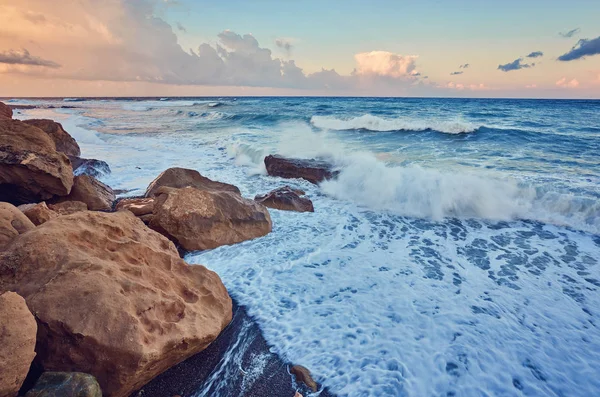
[(286, 199), (63, 141), (206, 219), (303, 375), (65, 384), (314, 171), (31, 170), (113, 298), (38, 213), (12, 223), (5, 111), (17, 342), (138, 206), (91, 167), (95, 194), (68, 207), (182, 177)]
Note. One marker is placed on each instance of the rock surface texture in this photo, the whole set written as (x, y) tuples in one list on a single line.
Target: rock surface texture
[(95, 194), (286, 199), (314, 171), (112, 298), (17, 342), (203, 219), (12, 223), (38, 213), (5, 111), (183, 177), (63, 141)]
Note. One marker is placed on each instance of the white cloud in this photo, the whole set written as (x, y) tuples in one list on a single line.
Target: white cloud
[(563, 83), (385, 64)]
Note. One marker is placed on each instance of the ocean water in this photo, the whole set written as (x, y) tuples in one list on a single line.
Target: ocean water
[(457, 254)]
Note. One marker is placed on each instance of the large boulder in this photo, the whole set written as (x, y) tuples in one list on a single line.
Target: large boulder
[(31, 169), (65, 384), (89, 190), (5, 111), (113, 298), (38, 213), (206, 219), (92, 167), (314, 171), (286, 199), (183, 177), (17, 342), (12, 223), (63, 141)]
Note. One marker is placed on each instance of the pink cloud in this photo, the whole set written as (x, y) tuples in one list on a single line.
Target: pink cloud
[(563, 83), (385, 64)]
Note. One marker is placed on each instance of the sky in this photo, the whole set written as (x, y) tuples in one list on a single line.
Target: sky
[(437, 48)]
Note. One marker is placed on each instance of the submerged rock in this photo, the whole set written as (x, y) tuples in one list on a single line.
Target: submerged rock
[(63, 141), (183, 177), (113, 298), (314, 171), (5, 111), (12, 223), (206, 219), (91, 167), (31, 169), (286, 199), (303, 375), (65, 384), (17, 342), (95, 194), (38, 213)]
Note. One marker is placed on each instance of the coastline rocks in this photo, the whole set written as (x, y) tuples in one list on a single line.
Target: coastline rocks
[(17, 342), (314, 171), (91, 167), (286, 199), (5, 111), (63, 141), (303, 375), (12, 223), (183, 177), (95, 194), (138, 206), (204, 219), (31, 169), (38, 213), (113, 298), (65, 384), (68, 207)]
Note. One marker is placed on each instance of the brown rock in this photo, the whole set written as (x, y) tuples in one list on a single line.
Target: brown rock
[(68, 207), (17, 342), (5, 111), (12, 223), (113, 298), (38, 213), (303, 375), (182, 177), (205, 219), (314, 171), (89, 190), (138, 206), (286, 199), (63, 141), (31, 169)]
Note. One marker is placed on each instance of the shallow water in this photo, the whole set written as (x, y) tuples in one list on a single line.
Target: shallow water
[(457, 253)]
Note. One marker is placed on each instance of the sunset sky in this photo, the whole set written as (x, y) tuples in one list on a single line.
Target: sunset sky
[(466, 48)]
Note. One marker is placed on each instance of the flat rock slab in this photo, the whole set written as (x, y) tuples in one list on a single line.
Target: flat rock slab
[(314, 171)]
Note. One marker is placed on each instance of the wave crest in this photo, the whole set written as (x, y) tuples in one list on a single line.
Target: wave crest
[(369, 122)]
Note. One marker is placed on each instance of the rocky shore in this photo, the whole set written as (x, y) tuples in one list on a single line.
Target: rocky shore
[(94, 296)]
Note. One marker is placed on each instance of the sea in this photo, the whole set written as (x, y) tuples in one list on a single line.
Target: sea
[(457, 253)]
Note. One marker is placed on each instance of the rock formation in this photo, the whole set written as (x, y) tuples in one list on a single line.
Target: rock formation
[(286, 199), (38, 213), (12, 223), (63, 141), (95, 194), (314, 171), (182, 177)]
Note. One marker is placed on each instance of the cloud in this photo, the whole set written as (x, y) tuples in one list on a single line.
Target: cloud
[(563, 83), (570, 33), (531, 86), (514, 65), (35, 18), (455, 73), (284, 44), (465, 66), (385, 64), (181, 27), (23, 57), (460, 87), (583, 48), (535, 54)]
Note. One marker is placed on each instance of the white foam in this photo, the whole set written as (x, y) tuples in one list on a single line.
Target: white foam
[(374, 123)]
